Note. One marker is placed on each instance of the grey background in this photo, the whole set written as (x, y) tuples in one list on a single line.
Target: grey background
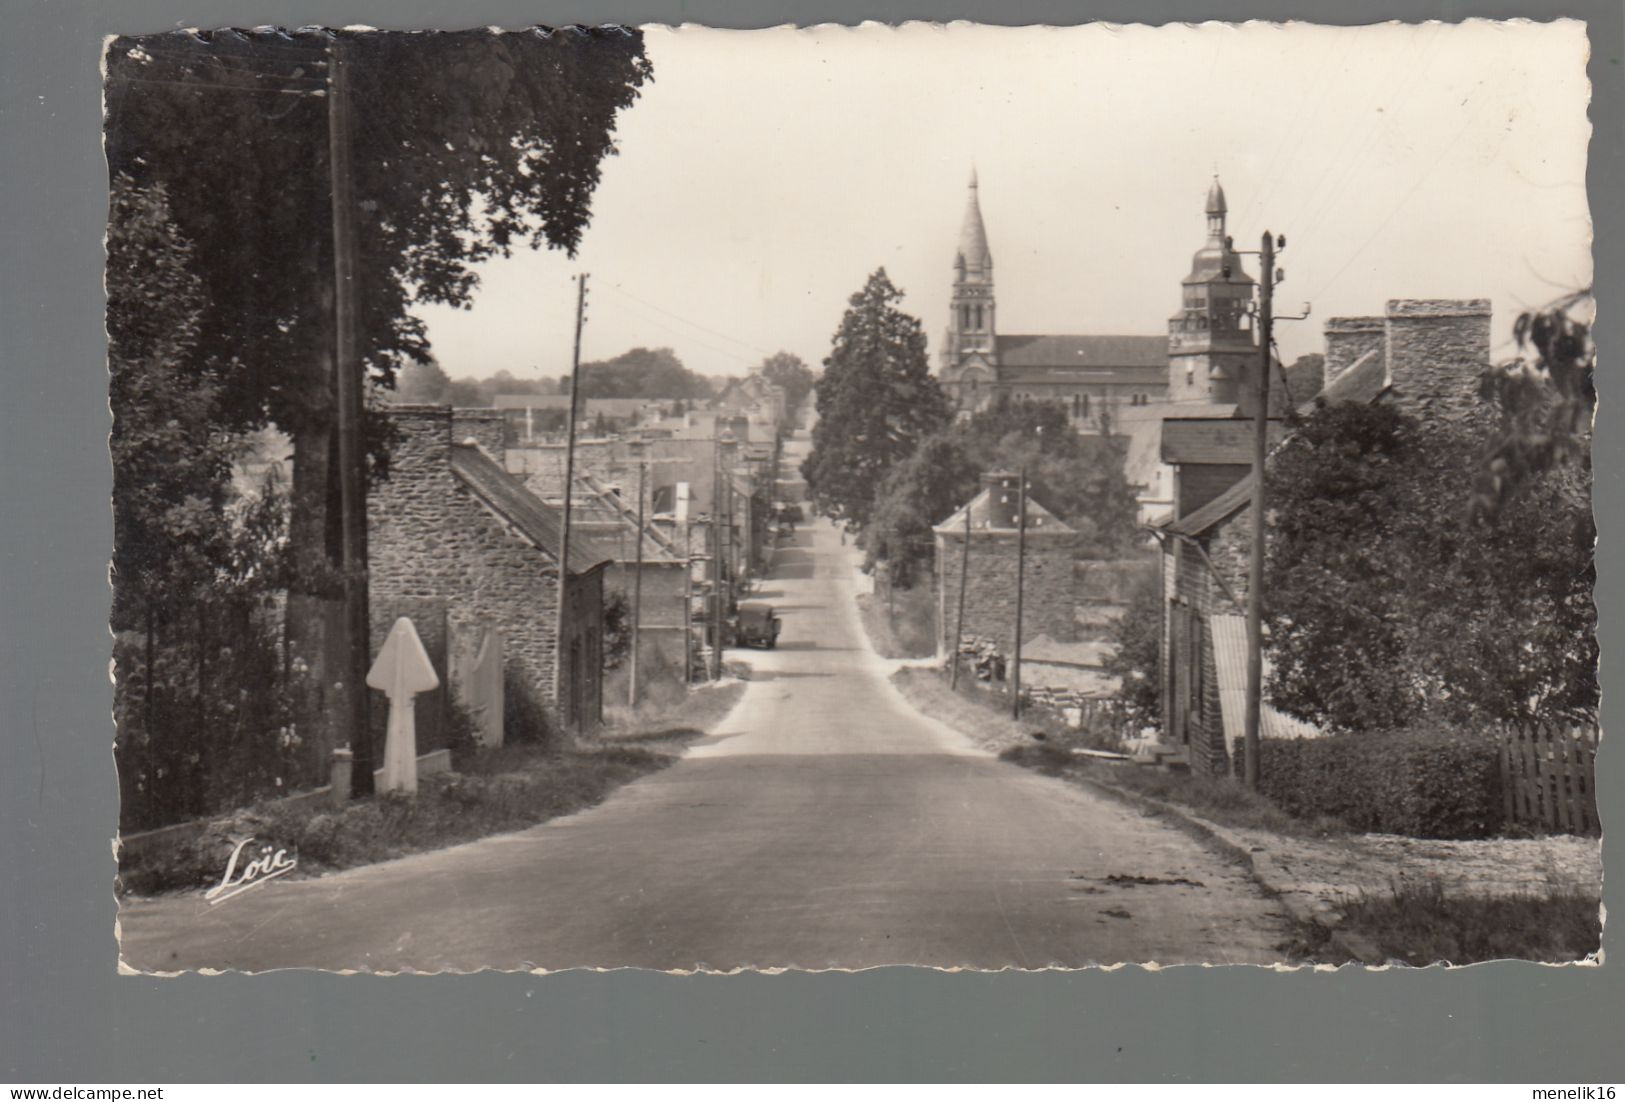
[(65, 1016)]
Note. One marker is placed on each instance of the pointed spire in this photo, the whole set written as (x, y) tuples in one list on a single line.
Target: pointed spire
[(974, 254), (1215, 197)]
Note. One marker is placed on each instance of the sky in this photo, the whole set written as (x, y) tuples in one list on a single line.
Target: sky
[(764, 174)]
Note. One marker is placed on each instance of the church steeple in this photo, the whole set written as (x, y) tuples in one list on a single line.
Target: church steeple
[(970, 320), (1211, 347)]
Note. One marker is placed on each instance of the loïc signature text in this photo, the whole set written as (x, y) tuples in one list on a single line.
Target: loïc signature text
[(270, 864)]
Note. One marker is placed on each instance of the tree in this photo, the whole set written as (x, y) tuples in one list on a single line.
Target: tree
[(1079, 478), (1305, 377), (1388, 600), (422, 383), (791, 372), (641, 373), (1546, 396), (1136, 653), (876, 401), (465, 143)]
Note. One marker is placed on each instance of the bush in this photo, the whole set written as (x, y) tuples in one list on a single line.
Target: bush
[(1426, 783)]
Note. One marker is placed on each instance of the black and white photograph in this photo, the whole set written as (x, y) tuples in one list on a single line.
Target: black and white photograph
[(934, 494)]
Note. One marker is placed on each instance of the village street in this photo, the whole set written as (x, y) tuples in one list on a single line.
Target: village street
[(823, 824)]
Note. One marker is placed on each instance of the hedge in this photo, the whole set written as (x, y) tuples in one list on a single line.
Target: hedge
[(1424, 783)]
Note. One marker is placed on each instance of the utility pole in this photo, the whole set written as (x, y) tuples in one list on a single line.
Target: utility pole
[(637, 590), (1255, 568), (560, 635), (716, 556), (688, 601), (959, 625), (1021, 585), (348, 385)]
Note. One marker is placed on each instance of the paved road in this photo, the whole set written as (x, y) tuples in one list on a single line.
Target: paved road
[(824, 824)]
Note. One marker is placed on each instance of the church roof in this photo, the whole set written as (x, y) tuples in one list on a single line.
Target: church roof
[(1083, 351), (1215, 199), (973, 250)]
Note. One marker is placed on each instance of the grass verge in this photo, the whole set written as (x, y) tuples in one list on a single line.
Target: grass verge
[(1218, 799), (905, 627), (1420, 924), (504, 789)]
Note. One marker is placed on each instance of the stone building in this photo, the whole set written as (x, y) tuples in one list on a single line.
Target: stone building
[(1425, 355), (990, 576), (460, 546)]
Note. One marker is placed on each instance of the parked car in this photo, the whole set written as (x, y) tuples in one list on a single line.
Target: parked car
[(757, 625)]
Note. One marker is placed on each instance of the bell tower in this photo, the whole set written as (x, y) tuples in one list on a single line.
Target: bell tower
[(970, 317), (1212, 348)]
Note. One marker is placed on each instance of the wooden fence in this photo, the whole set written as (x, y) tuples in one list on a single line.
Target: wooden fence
[(1549, 777)]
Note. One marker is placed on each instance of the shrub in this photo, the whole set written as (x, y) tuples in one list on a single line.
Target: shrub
[(1427, 783)]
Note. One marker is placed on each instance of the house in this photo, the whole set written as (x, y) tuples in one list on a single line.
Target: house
[(463, 548), (991, 541), (533, 417), (1423, 354)]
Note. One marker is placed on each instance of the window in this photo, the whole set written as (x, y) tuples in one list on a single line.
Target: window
[(1084, 404)]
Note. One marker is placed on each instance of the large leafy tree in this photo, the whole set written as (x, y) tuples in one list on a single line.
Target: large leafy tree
[(792, 373), (1389, 600), (465, 143), (640, 373), (1079, 478), (876, 401)]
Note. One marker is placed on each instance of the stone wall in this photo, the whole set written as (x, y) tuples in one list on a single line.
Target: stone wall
[(990, 588), (1347, 339), (431, 539), (1437, 349), (483, 426)]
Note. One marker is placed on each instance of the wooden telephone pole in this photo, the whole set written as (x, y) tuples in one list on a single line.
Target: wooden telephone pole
[(561, 628), (348, 387), (637, 591), (959, 625), (1021, 586)]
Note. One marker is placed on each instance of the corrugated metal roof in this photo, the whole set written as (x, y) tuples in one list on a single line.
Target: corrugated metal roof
[(540, 523), (1230, 657), (1084, 351)]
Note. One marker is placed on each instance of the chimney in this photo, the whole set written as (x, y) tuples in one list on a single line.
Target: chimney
[(1437, 351), (1003, 498), (1347, 339)]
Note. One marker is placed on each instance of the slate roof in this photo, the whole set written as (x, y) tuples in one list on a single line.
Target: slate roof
[(540, 523), (1087, 353), (1362, 381), (1040, 521), (1213, 440), (1220, 509)]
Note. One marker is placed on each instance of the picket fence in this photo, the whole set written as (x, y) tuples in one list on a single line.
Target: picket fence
[(1549, 777)]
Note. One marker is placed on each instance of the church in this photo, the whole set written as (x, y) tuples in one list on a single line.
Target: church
[(1202, 369), (1103, 381)]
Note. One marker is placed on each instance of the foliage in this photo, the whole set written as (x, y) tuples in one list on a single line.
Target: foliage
[(876, 401), (1136, 654), (1420, 924), (791, 372), (423, 383), (465, 143), (1079, 478), (199, 700), (1547, 397), (1386, 600), (525, 718), (1425, 783), (640, 373), (617, 628)]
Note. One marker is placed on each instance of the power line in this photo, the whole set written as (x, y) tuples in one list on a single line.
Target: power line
[(688, 321)]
